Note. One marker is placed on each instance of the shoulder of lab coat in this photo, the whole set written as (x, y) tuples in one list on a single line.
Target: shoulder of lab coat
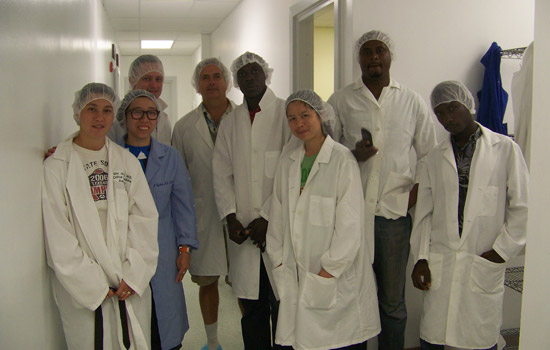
[(348, 225), (171, 165), (512, 237)]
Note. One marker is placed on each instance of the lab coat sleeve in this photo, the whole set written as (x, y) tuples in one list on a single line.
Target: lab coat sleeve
[(424, 135), (222, 168), (183, 207), (337, 132), (80, 275), (142, 242), (275, 229), (348, 221), (511, 239), (422, 223)]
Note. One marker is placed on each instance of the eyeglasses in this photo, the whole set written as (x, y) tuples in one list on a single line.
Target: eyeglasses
[(138, 114)]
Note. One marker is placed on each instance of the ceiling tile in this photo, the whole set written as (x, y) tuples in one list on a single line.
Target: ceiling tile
[(125, 24), (196, 25), (166, 9), (212, 9), (121, 8), (127, 35)]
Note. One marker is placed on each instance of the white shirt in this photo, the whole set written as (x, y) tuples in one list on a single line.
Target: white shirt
[(399, 120)]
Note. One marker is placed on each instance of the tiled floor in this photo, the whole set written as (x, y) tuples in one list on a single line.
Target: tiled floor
[(229, 319)]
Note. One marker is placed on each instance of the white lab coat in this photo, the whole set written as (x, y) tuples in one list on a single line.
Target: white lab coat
[(192, 139), (463, 307), (244, 163), (321, 228), (85, 263)]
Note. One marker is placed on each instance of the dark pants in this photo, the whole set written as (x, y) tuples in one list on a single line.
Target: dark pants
[(255, 323), (424, 345), (391, 253)]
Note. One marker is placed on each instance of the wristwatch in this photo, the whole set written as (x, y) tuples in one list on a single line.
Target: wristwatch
[(185, 249)]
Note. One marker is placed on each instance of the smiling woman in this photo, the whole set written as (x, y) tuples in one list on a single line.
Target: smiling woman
[(100, 227), (170, 185)]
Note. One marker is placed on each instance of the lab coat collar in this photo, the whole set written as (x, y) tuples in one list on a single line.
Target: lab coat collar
[(202, 127), (163, 105), (154, 160), (359, 84), (268, 99), (323, 156)]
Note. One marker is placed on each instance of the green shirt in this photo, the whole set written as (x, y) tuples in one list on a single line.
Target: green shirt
[(307, 164)]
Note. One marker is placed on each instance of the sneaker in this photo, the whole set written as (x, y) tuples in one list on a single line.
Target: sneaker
[(205, 347)]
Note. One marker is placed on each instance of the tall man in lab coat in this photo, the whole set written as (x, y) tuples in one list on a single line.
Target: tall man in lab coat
[(249, 142), (147, 73), (470, 218), (194, 137), (398, 120)]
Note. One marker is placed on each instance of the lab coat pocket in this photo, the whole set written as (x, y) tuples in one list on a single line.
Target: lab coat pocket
[(487, 277), (319, 292), (489, 198), (396, 193), (270, 163), (435, 264), (321, 210)]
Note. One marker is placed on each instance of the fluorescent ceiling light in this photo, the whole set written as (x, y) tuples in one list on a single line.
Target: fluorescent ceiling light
[(157, 44)]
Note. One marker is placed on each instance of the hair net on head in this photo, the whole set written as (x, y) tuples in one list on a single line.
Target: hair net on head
[(143, 65), (127, 101), (451, 90), (247, 58), (91, 92), (206, 62), (323, 109), (374, 35)]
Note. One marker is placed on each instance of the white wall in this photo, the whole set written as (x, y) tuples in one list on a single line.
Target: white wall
[(536, 310), (262, 27), (180, 67), (49, 50)]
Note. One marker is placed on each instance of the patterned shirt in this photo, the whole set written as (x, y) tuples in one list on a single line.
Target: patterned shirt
[(463, 158)]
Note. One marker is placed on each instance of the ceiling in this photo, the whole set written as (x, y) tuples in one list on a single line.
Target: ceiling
[(180, 20)]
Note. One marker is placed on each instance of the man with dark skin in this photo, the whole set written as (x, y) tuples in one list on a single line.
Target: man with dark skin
[(380, 121), (247, 149), (470, 219)]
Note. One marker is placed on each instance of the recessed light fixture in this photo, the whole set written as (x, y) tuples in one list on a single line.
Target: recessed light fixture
[(157, 44)]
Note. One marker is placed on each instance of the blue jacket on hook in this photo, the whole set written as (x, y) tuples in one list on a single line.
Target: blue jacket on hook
[(492, 97)]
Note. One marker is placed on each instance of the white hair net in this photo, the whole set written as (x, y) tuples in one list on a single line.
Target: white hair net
[(202, 64), (127, 101), (143, 65), (374, 35), (323, 109), (91, 92), (247, 58), (451, 90)]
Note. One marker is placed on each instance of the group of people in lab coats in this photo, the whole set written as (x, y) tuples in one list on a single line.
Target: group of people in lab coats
[(304, 204)]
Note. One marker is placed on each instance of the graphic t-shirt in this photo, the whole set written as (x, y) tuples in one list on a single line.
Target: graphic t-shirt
[(96, 166)]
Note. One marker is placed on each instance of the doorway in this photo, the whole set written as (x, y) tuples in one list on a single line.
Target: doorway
[(314, 47)]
